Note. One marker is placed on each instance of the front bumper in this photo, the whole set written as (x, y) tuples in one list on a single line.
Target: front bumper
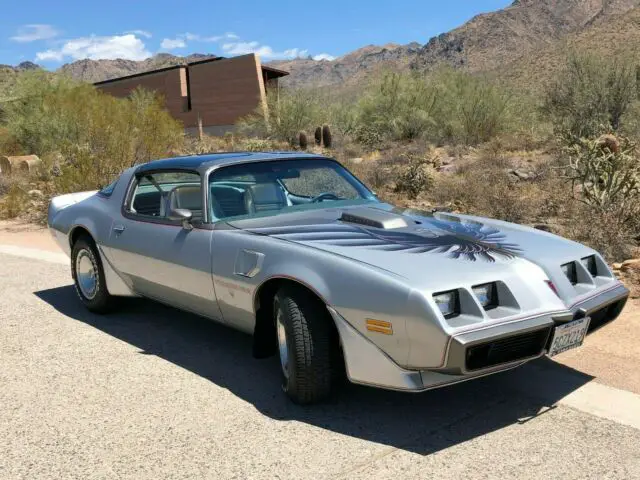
[(475, 353)]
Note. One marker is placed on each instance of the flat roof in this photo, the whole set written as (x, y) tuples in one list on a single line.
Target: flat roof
[(274, 72), (197, 162)]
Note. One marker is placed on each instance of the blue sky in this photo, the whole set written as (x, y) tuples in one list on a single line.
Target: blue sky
[(52, 33)]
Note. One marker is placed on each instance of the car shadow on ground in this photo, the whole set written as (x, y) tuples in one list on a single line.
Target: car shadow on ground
[(422, 423)]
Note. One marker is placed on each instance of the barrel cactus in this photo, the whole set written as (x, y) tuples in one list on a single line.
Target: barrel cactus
[(318, 136), (302, 140), (326, 136)]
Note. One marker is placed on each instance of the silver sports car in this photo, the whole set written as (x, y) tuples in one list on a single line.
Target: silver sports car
[(295, 250)]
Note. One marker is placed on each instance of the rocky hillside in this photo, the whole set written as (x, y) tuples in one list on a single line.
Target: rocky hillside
[(496, 39), (618, 36)]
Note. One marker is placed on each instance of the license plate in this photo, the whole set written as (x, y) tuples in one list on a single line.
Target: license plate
[(568, 336)]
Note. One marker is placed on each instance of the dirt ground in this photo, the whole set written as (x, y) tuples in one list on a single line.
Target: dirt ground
[(607, 354)]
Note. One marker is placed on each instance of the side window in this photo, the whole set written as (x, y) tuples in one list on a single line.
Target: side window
[(156, 194)]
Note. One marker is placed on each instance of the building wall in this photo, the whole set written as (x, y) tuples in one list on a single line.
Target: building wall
[(219, 92), (225, 90), (170, 84)]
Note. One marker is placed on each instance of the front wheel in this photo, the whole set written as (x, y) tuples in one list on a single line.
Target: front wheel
[(304, 345), (88, 276)]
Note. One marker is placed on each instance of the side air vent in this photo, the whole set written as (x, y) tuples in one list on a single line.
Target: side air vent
[(373, 218)]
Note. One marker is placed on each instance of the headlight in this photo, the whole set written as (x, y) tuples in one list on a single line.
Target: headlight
[(448, 303), (487, 295), (590, 264), (569, 269)]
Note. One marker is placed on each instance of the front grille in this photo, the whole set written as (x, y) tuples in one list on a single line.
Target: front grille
[(601, 317), (506, 350)]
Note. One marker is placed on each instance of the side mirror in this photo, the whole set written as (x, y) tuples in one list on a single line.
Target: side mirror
[(182, 214)]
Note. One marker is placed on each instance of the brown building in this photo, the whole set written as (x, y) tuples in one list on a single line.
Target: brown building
[(216, 92)]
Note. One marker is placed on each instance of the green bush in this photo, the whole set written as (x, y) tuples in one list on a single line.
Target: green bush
[(94, 135), (470, 109), (287, 113), (396, 107), (591, 91)]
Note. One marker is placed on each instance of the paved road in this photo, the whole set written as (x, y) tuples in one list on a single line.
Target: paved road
[(154, 393)]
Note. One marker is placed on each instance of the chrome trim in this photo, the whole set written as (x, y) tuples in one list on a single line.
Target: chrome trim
[(600, 300)]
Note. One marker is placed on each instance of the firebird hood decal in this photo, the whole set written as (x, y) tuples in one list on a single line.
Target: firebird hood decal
[(458, 239)]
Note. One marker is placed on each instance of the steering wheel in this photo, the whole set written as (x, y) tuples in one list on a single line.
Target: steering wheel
[(324, 196)]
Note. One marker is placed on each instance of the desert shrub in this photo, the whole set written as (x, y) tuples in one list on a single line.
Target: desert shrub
[(486, 187), (95, 135), (258, 145), (286, 114), (395, 106), (591, 91), (605, 231), (13, 201), (607, 173), (470, 109), (418, 176)]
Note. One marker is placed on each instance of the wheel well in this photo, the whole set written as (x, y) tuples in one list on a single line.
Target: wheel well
[(264, 335), (78, 232)]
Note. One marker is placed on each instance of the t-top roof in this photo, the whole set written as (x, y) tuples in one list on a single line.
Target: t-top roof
[(204, 162), (271, 72)]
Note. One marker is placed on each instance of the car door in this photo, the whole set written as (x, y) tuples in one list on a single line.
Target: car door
[(164, 260)]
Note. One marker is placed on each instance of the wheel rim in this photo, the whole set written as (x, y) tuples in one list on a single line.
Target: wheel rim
[(86, 274), (282, 344)]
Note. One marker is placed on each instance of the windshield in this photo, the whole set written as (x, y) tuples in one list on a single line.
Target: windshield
[(282, 186)]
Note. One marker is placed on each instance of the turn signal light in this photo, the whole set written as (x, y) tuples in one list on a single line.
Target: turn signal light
[(379, 326)]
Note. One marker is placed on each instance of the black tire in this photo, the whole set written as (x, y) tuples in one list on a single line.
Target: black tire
[(100, 301), (309, 345)]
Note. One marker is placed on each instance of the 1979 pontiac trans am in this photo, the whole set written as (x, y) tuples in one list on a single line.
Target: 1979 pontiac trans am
[(295, 250)]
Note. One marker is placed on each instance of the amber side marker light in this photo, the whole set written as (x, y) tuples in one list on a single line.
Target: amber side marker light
[(379, 326)]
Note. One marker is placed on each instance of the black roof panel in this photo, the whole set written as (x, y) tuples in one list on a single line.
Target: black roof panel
[(199, 162)]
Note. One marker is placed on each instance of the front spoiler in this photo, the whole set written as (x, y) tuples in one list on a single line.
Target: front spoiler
[(368, 365)]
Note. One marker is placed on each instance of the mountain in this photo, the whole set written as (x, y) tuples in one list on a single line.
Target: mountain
[(490, 42), (350, 68), (493, 40), (98, 70), (522, 42)]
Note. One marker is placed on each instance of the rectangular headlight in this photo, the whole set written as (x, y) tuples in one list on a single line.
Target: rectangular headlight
[(590, 264), (448, 303), (569, 269), (487, 295)]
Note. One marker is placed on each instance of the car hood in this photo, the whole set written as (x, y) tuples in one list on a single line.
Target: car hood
[(417, 245)]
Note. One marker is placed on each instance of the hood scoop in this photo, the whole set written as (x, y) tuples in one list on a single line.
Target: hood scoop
[(373, 218)]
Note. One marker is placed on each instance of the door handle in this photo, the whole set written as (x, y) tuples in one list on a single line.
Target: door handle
[(118, 228)]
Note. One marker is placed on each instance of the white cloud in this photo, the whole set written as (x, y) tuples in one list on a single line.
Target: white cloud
[(34, 32), (323, 56), (265, 51), (140, 33), (172, 44), (126, 46)]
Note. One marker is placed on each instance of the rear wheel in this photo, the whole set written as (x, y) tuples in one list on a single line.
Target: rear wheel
[(88, 276), (304, 345)]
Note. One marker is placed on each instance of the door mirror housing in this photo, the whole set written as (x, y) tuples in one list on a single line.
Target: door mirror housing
[(182, 214)]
